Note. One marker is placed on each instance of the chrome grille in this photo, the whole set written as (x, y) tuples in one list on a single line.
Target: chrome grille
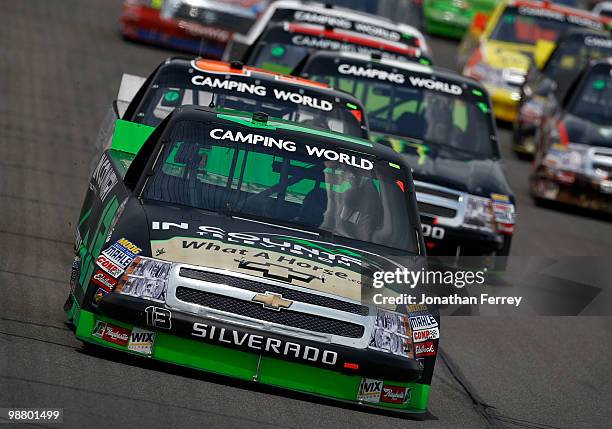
[(292, 294), (286, 317), (437, 192), (440, 202), (433, 210)]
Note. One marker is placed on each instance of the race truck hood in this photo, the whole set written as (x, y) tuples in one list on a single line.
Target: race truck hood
[(436, 165), (221, 241), (502, 55), (586, 132)]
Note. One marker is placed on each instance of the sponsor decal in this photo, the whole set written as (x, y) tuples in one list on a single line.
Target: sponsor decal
[(598, 42), (119, 258), (111, 333), (109, 266), (345, 24), (370, 390), (436, 232), (302, 99), (100, 293), (158, 317), (229, 85), (262, 91), (141, 341), (273, 258), (427, 348), (116, 217), (376, 31), (99, 329), (559, 16), (204, 31), (422, 322), (127, 246), (260, 343), (425, 334), (334, 45), (103, 280), (435, 85), (395, 394), (371, 73), (413, 308), (122, 253), (500, 197), (103, 178), (289, 146), (75, 271), (324, 253), (316, 18)]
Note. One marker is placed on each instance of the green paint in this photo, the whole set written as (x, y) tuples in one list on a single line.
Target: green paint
[(278, 68), (85, 216), (243, 365), (351, 106), (400, 145), (88, 254), (130, 136), (394, 165), (425, 62), (277, 51), (483, 107), (246, 122), (171, 96), (331, 251), (477, 92)]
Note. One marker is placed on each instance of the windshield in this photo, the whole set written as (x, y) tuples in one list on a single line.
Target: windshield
[(175, 86), (594, 100), (269, 176), (573, 55), (527, 25), (399, 104), (281, 51)]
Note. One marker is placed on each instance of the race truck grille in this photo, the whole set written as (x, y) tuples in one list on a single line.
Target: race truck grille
[(440, 202), (292, 294), (434, 210), (310, 322), (438, 192)]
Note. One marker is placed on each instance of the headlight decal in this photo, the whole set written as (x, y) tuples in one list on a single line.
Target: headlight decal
[(504, 213), (392, 334), (145, 278), (478, 213)]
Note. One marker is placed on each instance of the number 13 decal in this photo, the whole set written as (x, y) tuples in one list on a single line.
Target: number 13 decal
[(158, 317)]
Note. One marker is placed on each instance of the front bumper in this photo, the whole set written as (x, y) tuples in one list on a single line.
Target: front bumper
[(460, 241), (175, 347), (583, 192)]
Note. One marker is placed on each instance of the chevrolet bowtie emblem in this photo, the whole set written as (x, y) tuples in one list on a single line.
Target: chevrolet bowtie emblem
[(272, 301)]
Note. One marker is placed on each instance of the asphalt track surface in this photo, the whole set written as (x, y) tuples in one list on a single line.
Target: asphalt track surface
[(60, 67)]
